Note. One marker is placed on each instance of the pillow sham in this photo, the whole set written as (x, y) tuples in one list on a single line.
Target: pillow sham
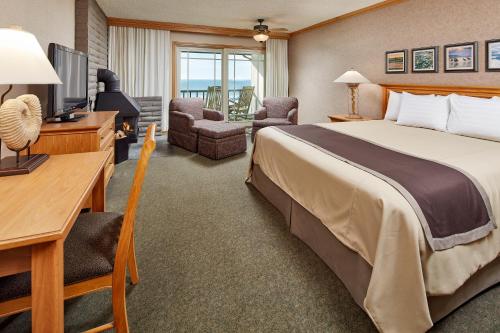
[(475, 117), (427, 111), (393, 106)]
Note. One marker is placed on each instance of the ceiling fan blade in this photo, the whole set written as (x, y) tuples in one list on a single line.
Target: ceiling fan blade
[(279, 30)]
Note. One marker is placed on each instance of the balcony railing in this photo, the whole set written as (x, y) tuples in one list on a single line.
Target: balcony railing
[(189, 93), (234, 94)]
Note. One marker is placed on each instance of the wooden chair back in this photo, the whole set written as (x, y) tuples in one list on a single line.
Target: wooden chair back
[(214, 98), (243, 104), (122, 252)]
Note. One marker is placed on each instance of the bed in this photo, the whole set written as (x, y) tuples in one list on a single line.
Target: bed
[(367, 232)]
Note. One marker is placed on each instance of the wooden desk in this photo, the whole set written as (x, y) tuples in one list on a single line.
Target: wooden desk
[(37, 212)]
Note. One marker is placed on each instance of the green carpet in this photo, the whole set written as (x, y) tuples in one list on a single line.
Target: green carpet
[(215, 256)]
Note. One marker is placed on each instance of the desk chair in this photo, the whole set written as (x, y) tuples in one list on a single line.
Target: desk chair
[(96, 253)]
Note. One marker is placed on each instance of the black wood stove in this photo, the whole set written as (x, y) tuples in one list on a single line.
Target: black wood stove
[(126, 123)]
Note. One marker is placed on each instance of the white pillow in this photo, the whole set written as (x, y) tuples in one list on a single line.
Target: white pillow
[(393, 106), (426, 111), (475, 117)]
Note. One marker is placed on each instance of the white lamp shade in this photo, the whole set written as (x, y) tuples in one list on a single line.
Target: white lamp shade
[(352, 77), (22, 60), (261, 37)]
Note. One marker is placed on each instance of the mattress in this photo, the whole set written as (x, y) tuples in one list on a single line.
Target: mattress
[(374, 220)]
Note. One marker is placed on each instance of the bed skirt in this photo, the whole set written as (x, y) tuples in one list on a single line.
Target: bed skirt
[(351, 268)]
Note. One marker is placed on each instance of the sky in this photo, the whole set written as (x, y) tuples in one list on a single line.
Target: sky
[(204, 70)]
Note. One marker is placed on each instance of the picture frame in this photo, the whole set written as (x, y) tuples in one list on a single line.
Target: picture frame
[(460, 58), (493, 55), (425, 59), (396, 62)]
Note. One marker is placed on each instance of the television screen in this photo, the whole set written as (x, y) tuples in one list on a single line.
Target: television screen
[(72, 68)]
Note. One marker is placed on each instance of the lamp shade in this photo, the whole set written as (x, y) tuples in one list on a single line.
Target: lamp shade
[(352, 77), (261, 37), (22, 60)]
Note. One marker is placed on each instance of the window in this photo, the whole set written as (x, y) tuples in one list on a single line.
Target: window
[(199, 70)]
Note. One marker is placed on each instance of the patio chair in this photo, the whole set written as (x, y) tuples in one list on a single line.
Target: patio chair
[(240, 108), (214, 98)]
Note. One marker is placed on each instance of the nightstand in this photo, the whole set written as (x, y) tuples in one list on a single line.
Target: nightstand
[(342, 118)]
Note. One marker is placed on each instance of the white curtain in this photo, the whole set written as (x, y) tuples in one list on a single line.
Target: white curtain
[(277, 68), (140, 58)]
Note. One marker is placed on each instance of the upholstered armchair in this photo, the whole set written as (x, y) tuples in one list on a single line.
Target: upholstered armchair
[(186, 117), (276, 111)]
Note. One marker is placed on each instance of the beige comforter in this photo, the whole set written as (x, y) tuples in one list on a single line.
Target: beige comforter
[(372, 218)]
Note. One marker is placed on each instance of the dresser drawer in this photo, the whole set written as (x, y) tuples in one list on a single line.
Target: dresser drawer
[(108, 127), (107, 142)]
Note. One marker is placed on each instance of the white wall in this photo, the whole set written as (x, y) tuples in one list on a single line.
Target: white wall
[(49, 20)]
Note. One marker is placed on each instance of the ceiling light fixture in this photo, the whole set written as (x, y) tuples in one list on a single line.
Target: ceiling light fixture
[(261, 32)]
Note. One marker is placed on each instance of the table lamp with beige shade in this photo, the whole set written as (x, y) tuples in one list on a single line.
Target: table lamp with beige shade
[(353, 79), (22, 61)]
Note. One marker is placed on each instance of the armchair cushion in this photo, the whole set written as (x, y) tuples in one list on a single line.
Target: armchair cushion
[(180, 121), (212, 114), (261, 114), (192, 106), (271, 122), (293, 116), (203, 123), (278, 107)]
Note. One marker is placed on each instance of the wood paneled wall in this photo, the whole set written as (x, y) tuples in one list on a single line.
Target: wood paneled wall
[(91, 37)]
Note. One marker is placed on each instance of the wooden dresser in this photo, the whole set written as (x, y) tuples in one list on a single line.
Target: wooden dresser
[(96, 132)]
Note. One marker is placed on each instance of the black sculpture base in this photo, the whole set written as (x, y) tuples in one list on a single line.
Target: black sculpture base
[(10, 166)]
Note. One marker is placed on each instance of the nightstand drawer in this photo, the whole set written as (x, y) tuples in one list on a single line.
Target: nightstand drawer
[(343, 118)]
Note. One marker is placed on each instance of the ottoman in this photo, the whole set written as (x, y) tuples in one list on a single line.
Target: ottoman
[(221, 140)]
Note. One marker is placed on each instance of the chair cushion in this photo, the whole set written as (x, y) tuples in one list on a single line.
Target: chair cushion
[(89, 252), (278, 107), (204, 123), (221, 130), (193, 106), (271, 122)]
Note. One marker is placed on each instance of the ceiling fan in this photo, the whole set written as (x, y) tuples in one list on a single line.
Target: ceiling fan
[(262, 31)]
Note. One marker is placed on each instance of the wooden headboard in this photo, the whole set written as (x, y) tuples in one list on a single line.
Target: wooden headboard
[(483, 92)]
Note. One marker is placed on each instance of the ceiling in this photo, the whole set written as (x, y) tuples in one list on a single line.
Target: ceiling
[(291, 14)]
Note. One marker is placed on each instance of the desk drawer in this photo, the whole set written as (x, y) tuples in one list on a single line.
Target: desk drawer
[(109, 167)]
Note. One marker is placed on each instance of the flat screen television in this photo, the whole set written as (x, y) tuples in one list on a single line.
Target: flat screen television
[(72, 68)]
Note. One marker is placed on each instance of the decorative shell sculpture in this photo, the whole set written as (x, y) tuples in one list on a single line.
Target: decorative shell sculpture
[(20, 121)]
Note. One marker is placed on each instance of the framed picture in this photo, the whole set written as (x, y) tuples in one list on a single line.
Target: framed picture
[(493, 55), (396, 62), (425, 60), (461, 57)]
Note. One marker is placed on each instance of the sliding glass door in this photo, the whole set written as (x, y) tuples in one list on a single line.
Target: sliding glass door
[(228, 80), (245, 84)]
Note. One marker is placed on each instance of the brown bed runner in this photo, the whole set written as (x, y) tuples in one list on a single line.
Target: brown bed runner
[(452, 207)]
